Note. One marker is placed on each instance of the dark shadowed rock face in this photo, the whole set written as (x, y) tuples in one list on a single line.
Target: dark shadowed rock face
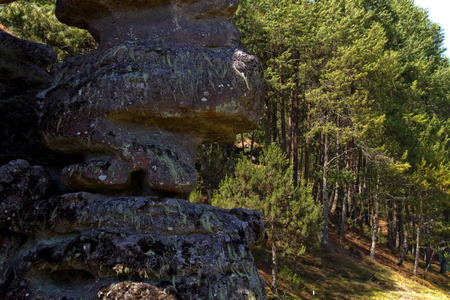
[(22, 64), (168, 75), (23, 74), (21, 185), (80, 244)]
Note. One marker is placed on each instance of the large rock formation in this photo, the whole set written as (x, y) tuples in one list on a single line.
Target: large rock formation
[(167, 76), (80, 244), (23, 73)]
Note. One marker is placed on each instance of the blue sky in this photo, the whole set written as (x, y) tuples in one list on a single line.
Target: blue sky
[(439, 12)]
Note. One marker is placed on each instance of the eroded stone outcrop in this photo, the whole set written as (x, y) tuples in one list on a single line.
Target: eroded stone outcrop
[(79, 243), (168, 75)]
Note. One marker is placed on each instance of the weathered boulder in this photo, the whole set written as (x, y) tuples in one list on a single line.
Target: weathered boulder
[(168, 75), (23, 73), (21, 185), (23, 65), (79, 244)]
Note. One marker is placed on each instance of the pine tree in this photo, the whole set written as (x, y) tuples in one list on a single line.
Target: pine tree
[(36, 21), (291, 217)]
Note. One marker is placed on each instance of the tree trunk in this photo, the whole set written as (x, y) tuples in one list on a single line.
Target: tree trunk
[(268, 121), (344, 211), (377, 219), (404, 246), (325, 190), (391, 226), (360, 192), (399, 224), (282, 112), (290, 124), (351, 205), (345, 201), (355, 167), (428, 265), (294, 137), (365, 193), (416, 263), (274, 122), (427, 245), (300, 164), (443, 262), (317, 191), (335, 199), (274, 266), (336, 185), (308, 128)]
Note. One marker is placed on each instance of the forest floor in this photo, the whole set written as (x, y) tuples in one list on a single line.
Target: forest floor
[(346, 272)]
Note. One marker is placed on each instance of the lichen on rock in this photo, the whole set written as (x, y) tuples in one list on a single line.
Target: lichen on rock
[(167, 74), (83, 242)]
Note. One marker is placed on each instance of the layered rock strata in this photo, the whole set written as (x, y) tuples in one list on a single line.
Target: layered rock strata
[(168, 75), (79, 245)]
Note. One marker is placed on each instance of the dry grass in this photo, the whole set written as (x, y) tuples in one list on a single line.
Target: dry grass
[(346, 272)]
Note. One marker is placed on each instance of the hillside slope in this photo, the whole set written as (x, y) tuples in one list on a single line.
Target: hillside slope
[(346, 272)]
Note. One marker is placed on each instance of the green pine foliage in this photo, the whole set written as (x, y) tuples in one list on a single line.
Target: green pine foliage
[(290, 215), (36, 21)]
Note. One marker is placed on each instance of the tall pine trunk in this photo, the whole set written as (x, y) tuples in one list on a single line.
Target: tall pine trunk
[(290, 124), (268, 121), (308, 128), (294, 134), (377, 219), (345, 199), (360, 191), (336, 185), (391, 225), (274, 264), (399, 224), (282, 111), (416, 263), (325, 189), (404, 246), (365, 193)]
